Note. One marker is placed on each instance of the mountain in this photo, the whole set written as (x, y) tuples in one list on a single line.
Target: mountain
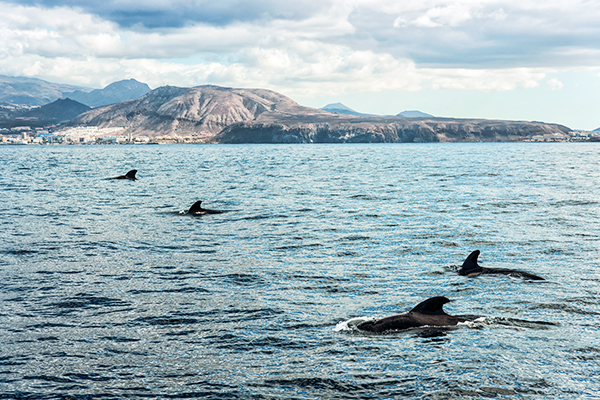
[(59, 110), (32, 92), (116, 92), (226, 115), (596, 130), (198, 112), (339, 108), (36, 92), (414, 114)]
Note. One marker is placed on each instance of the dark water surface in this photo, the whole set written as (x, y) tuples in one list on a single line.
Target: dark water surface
[(109, 292)]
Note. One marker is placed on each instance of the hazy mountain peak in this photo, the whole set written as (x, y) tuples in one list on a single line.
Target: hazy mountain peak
[(414, 114), (337, 107), (116, 92), (340, 108), (20, 90)]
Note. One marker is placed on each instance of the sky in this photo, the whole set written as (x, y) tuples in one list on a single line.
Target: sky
[(496, 59)]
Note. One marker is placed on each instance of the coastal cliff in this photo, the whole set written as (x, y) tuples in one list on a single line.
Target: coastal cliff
[(386, 130)]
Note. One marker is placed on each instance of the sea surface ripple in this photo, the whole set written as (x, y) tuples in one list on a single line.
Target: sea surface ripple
[(110, 291)]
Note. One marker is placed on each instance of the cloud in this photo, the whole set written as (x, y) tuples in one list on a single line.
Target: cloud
[(481, 34), (455, 14), (307, 46), (151, 14), (555, 84), (487, 80)]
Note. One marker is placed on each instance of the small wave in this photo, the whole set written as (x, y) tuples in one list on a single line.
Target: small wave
[(84, 302), (564, 307), (259, 217), (347, 254), (553, 251), (474, 323), (161, 321), (243, 279), (574, 203), (446, 244), (48, 338), (186, 289), (49, 378), (521, 323), (19, 252), (363, 197), (356, 238), (119, 339), (333, 388), (351, 324), (298, 246)]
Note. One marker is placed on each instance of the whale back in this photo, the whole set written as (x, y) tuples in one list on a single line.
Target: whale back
[(426, 313), (131, 174), (196, 207), (432, 306), (470, 267), (470, 264)]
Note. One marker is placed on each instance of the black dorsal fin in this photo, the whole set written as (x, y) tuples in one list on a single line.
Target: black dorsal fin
[(432, 306), (131, 174), (471, 261), (195, 207)]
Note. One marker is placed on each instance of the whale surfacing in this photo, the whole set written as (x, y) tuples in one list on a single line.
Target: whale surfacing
[(130, 175), (427, 313), (471, 268), (196, 209)]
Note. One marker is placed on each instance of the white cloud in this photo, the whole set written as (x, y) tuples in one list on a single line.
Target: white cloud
[(555, 84), (487, 80), (452, 15), (358, 45)]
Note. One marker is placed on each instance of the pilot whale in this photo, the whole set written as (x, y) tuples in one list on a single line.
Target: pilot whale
[(130, 175), (196, 209), (427, 313), (471, 268)]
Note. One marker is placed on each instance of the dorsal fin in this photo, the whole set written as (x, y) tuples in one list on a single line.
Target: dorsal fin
[(432, 306), (471, 261), (131, 174), (195, 207)]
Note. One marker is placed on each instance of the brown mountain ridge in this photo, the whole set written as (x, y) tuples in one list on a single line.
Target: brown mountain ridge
[(228, 115)]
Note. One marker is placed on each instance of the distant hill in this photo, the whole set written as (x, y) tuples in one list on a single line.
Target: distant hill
[(32, 92), (596, 130), (116, 92), (414, 114), (340, 108), (24, 91), (59, 110)]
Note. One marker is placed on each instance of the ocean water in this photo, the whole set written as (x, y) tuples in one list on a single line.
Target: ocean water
[(110, 291)]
